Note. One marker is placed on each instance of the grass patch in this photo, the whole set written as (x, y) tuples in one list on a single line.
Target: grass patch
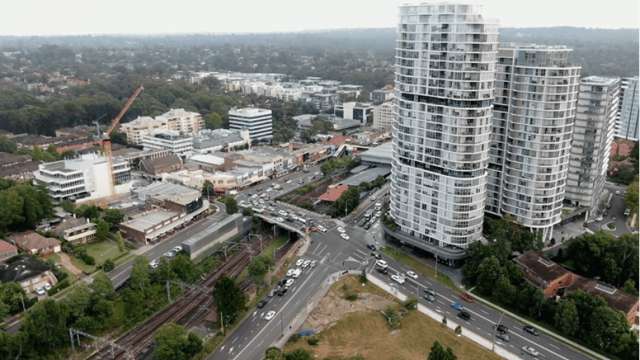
[(368, 335), (418, 266), (102, 250), (276, 244)]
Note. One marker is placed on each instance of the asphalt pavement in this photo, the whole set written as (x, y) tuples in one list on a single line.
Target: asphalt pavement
[(615, 214)]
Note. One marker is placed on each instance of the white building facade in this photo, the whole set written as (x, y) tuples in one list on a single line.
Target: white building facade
[(169, 140), (533, 118), (444, 81), (258, 121), (179, 120), (629, 116), (592, 138), (383, 115)]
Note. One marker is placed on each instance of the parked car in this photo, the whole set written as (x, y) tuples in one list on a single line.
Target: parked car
[(371, 247), (296, 273), (530, 350), (627, 212), (177, 249), (270, 315), (457, 306), (344, 236), (412, 274), (299, 262), (530, 329), (340, 229), (154, 263), (47, 287), (306, 264), (464, 315), (288, 283), (262, 303), (281, 291), (40, 291), (313, 264), (430, 291), (169, 254)]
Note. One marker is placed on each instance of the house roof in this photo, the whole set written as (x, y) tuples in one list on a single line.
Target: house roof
[(69, 223), (538, 268), (614, 297), (333, 193), (6, 247), (30, 240), (20, 268)]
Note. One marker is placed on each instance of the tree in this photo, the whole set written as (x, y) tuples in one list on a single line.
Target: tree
[(7, 145), (113, 217), (273, 353), (120, 241), (229, 300), (45, 326), (631, 197), (12, 295), (259, 266), (184, 268), (438, 352), (298, 354), (489, 272), (230, 204), (207, 188), (608, 329), (566, 317), (173, 342), (348, 201), (213, 121), (140, 275), (108, 265), (102, 287), (102, 230)]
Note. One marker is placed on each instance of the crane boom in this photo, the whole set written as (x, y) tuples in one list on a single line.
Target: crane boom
[(125, 108)]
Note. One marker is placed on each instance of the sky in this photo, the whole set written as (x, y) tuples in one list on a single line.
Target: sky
[(72, 17)]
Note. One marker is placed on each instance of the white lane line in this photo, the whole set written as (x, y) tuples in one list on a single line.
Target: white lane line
[(267, 326), (361, 252)]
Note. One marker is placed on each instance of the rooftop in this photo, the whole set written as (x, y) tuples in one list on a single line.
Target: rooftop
[(20, 268), (600, 80), (366, 176), (333, 193), (614, 297), (149, 219), (31, 240), (7, 247), (168, 191), (249, 112), (540, 267)]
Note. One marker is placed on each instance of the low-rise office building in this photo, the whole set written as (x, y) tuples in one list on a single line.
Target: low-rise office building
[(259, 122), (171, 140), (383, 115), (209, 141), (361, 112)]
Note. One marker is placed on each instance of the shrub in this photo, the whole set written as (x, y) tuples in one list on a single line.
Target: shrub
[(313, 341), (108, 265)]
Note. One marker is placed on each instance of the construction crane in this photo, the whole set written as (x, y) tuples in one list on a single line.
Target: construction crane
[(105, 142)]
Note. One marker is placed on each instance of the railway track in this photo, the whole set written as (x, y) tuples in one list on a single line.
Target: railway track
[(184, 311)]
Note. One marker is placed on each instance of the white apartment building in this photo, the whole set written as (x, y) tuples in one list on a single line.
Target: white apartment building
[(257, 121), (83, 178), (362, 112), (627, 126), (169, 140), (383, 115), (444, 82), (141, 126), (184, 122), (533, 117), (592, 138)]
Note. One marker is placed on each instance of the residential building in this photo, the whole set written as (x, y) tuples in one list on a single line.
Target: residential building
[(31, 274), (141, 126), (76, 230), (208, 141), (180, 145), (380, 96), (445, 73), (35, 244), (593, 133), (533, 118), (383, 115), (84, 178), (361, 112), (257, 121), (629, 117), (182, 121), (17, 167), (7, 251)]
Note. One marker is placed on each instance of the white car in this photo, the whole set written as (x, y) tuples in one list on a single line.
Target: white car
[(290, 272), (381, 263), (288, 181), (169, 254), (344, 236), (282, 212), (296, 273), (280, 219), (322, 228), (299, 262), (340, 229), (40, 291), (154, 263), (288, 283), (177, 249), (306, 264), (313, 264), (531, 351), (269, 315), (47, 286), (412, 274), (397, 278)]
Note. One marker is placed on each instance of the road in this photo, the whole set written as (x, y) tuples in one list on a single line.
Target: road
[(615, 214), (334, 254)]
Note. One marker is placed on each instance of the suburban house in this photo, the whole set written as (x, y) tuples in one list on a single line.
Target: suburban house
[(76, 230), (7, 250), (333, 193), (35, 244), (555, 280), (30, 273)]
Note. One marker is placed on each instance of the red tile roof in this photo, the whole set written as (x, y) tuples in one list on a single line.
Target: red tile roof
[(338, 140), (31, 240), (6, 247), (333, 193)]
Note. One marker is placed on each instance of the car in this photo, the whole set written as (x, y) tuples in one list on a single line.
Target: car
[(299, 262), (282, 212), (378, 206), (271, 293), (377, 214), (371, 247), (397, 278), (412, 274), (344, 236), (262, 303), (382, 270), (376, 255), (306, 264), (429, 297), (457, 306), (177, 249), (430, 291), (40, 291), (154, 263), (617, 192), (47, 286), (627, 212), (288, 283), (169, 254), (296, 273), (381, 263), (270, 315), (340, 229), (464, 315), (530, 329), (281, 291), (467, 297), (288, 181), (290, 272), (530, 350), (502, 329), (322, 228), (300, 182), (313, 264), (503, 336)]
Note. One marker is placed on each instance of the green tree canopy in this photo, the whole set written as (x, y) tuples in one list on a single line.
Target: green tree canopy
[(173, 342), (229, 300), (438, 352)]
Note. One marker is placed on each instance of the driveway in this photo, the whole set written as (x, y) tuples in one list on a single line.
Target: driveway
[(65, 261)]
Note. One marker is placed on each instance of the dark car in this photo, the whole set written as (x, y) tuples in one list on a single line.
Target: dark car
[(502, 329), (530, 329), (429, 297), (464, 315), (376, 255), (281, 291), (262, 303), (371, 247), (430, 291)]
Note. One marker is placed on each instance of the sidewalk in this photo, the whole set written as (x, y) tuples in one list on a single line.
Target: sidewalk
[(561, 338)]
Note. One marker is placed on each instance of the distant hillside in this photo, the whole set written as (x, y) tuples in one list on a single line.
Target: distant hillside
[(600, 51)]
